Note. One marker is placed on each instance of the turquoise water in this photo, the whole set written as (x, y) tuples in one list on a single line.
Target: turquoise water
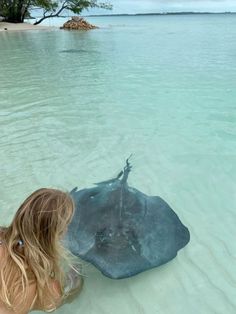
[(74, 105)]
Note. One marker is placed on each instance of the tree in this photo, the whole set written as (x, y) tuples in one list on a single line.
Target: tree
[(17, 10)]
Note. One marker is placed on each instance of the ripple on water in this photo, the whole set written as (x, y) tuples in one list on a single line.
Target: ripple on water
[(74, 106)]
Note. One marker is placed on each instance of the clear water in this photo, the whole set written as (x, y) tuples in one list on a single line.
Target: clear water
[(74, 105)]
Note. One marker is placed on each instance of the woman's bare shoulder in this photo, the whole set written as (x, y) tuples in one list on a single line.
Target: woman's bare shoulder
[(56, 291), (25, 309), (4, 310), (31, 303)]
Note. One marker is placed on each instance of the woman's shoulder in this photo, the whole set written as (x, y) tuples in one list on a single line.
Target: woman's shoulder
[(47, 306), (27, 306)]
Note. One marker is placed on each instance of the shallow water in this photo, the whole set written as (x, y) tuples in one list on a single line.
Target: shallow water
[(74, 105)]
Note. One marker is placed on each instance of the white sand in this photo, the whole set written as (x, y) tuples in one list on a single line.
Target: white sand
[(4, 26)]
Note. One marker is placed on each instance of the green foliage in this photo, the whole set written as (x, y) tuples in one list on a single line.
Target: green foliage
[(77, 6), (45, 4), (4, 7), (18, 10)]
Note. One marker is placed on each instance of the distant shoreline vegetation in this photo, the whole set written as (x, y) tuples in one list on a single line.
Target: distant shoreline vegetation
[(167, 13), (141, 14)]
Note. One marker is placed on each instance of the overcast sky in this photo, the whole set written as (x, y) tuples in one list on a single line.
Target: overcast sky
[(146, 6)]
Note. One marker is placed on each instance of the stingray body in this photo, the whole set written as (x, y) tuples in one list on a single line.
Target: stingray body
[(121, 230)]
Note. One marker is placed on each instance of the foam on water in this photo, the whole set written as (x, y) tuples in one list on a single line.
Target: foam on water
[(74, 105)]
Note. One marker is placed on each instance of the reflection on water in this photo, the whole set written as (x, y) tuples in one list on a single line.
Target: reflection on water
[(160, 88)]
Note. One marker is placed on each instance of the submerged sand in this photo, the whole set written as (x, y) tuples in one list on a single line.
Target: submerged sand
[(5, 26), (160, 88)]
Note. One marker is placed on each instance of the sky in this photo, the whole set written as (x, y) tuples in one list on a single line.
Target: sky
[(151, 6)]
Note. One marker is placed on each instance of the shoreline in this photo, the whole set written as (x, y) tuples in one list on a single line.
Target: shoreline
[(6, 26)]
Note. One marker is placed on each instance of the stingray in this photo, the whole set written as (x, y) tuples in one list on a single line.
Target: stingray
[(121, 230)]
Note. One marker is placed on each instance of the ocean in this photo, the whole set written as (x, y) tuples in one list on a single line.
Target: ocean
[(74, 105)]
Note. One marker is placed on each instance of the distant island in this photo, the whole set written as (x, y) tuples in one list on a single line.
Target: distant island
[(164, 13)]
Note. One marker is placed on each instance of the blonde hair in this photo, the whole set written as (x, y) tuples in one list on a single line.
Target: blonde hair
[(34, 252)]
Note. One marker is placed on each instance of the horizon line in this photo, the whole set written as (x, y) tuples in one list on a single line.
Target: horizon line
[(160, 13)]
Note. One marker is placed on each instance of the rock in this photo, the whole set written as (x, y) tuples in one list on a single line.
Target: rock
[(78, 23)]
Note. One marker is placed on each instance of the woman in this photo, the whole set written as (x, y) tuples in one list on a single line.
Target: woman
[(32, 258)]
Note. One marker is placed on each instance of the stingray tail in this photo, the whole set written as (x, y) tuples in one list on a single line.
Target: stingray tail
[(127, 170), (124, 173)]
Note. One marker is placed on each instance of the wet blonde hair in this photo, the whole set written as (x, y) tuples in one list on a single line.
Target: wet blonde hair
[(34, 252)]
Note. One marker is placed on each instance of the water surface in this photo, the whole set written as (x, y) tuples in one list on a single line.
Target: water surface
[(74, 105)]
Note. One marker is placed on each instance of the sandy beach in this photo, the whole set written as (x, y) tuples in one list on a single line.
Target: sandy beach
[(4, 26)]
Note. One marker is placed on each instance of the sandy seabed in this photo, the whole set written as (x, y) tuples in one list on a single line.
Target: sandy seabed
[(73, 106), (5, 26)]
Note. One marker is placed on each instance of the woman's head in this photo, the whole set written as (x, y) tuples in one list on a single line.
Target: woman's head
[(42, 218), (34, 249)]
